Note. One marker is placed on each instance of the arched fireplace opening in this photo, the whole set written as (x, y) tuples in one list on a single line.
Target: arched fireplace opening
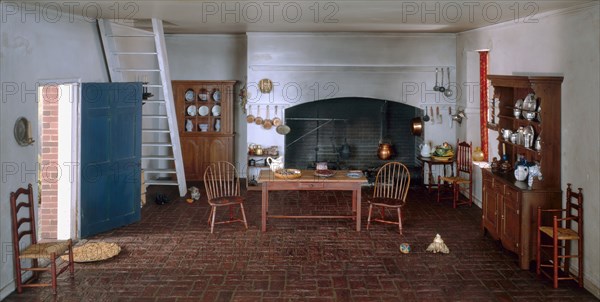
[(325, 130)]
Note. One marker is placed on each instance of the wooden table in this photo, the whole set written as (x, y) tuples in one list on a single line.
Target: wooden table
[(430, 162), (309, 182)]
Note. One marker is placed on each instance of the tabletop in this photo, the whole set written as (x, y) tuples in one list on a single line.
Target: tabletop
[(309, 176)]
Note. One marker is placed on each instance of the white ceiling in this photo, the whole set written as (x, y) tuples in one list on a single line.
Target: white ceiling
[(211, 17)]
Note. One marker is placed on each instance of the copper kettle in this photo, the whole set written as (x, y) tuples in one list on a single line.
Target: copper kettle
[(385, 151)]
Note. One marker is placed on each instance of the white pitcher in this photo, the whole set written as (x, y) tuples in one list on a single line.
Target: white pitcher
[(275, 164), (521, 172), (425, 150)]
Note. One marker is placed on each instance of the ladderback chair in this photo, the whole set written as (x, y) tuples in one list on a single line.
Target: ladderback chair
[(463, 177), (391, 187), (24, 235), (566, 226), (223, 190)]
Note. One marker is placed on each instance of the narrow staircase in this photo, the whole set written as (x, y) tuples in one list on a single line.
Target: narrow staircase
[(137, 55)]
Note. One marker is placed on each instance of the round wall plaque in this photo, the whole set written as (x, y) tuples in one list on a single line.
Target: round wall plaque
[(265, 85)]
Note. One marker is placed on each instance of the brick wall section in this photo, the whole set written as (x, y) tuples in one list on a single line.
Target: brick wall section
[(49, 162), (362, 129)]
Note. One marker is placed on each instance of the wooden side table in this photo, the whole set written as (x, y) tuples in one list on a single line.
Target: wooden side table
[(430, 162)]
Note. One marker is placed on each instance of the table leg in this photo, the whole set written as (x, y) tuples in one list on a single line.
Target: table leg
[(265, 206), (356, 199)]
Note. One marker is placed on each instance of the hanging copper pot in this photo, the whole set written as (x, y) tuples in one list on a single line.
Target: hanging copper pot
[(385, 151), (416, 126)]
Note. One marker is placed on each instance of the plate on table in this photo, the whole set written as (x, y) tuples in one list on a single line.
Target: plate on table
[(203, 110), (324, 173), (216, 110), (216, 95), (441, 158), (191, 110), (354, 174), (288, 173), (189, 95)]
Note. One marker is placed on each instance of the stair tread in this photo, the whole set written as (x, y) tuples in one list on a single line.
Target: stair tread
[(161, 182), (157, 144), (160, 171), (158, 157)]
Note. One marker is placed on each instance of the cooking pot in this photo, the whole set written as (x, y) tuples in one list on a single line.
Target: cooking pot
[(385, 151), (416, 126)]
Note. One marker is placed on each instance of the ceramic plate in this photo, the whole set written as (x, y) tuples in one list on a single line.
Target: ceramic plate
[(189, 95), (216, 96), (353, 174), (519, 103), (203, 96), (191, 110), (324, 173), (216, 110), (529, 130), (529, 103), (203, 110)]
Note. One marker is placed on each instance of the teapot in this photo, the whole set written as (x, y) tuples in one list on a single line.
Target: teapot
[(506, 133), (521, 172), (275, 164), (425, 149)]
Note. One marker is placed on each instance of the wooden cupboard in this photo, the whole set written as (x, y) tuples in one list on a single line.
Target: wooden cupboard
[(509, 206), (205, 122)]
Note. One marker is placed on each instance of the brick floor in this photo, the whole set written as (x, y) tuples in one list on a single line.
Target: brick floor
[(171, 256)]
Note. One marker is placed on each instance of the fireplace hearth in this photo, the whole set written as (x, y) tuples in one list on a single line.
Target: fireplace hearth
[(321, 129)]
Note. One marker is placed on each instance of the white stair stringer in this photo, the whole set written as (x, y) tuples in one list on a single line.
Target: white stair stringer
[(163, 63), (162, 159)]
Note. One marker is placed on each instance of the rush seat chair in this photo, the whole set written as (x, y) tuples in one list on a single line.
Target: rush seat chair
[(560, 232), (26, 246), (463, 177)]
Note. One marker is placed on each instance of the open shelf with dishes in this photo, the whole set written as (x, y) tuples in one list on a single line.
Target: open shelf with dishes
[(205, 122), (528, 126)]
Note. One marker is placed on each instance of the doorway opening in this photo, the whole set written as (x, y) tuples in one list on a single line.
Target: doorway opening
[(58, 155)]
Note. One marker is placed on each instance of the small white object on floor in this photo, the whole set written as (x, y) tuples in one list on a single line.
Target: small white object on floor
[(438, 245), (195, 193)]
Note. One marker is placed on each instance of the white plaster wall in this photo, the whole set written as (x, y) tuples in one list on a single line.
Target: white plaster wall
[(212, 57), (306, 67), (566, 44), (32, 52)]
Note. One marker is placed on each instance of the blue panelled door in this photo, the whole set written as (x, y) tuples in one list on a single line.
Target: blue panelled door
[(111, 131)]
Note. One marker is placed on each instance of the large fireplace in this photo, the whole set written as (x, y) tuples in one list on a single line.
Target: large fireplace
[(321, 130)]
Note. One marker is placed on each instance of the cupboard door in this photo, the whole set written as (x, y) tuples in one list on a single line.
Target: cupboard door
[(193, 152), (511, 220), (490, 208), (219, 149)]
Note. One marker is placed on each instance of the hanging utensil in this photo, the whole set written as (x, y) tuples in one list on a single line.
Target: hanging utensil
[(283, 129), (432, 116), (436, 87), (276, 120), (450, 113), (258, 120), (267, 123), (439, 116), (426, 117), (448, 92), (442, 88), (250, 117)]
